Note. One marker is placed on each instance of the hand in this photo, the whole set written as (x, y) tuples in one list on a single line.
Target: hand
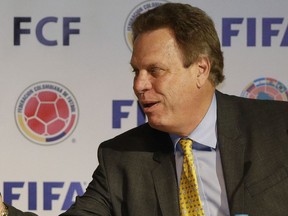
[(1, 203), (2, 206)]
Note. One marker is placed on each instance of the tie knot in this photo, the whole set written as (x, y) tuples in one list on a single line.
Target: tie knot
[(186, 145)]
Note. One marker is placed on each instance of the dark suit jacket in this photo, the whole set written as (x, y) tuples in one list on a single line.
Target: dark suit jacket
[(136, 174)]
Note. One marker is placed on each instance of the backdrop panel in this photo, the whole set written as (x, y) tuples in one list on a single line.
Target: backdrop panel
[(66, 84)]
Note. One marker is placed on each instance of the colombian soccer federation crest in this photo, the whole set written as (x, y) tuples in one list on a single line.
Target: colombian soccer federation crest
[(266, 88), (139, 9), (46, 113)]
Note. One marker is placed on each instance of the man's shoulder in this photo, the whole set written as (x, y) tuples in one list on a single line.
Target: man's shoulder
[(142, 137), (250, 104), (252, 112)]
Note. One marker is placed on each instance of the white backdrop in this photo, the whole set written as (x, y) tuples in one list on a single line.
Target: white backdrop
[(91, 75)]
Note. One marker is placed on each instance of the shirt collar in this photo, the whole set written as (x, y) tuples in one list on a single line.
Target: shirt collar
[(205, 133)]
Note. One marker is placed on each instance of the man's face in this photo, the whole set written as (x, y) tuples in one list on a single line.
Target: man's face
[(166, 90)]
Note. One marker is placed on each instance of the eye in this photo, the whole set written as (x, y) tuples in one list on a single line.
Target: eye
[(155, 71), (135, 71)]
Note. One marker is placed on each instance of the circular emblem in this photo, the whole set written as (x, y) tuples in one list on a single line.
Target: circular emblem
[(266, 88), (46, 113), (139, 9)]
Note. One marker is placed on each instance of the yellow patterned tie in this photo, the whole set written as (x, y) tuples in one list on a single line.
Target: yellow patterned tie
[(190, 202)]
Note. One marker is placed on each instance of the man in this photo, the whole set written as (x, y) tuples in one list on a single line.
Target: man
[(240, 146)]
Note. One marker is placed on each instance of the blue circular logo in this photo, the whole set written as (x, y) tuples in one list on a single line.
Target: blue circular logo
[(266, 88)]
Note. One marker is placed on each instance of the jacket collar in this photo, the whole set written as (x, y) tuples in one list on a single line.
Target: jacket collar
[(232, 145)]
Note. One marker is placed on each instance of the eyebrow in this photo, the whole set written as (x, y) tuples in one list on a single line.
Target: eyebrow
[(146, 66)]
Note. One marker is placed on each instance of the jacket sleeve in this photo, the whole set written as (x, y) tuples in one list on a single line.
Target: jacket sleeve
[(95, 201)]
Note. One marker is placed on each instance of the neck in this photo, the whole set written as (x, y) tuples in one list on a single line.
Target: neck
[(205, 99)]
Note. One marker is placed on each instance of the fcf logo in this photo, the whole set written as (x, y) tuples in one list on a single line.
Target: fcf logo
[(46, 113)]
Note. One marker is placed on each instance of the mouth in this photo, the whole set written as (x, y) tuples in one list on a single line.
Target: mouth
[(148, 106)]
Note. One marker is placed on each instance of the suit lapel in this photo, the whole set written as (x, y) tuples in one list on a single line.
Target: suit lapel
[(165, 180), (232, 144)]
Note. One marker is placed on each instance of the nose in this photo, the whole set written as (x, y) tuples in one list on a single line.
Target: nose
[(142, 82)]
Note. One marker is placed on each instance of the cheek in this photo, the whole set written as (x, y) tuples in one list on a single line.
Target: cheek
[(173, 89), (173, 96), (167, 90), (181, 94)]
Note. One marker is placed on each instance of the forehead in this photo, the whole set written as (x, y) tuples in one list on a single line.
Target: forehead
[(157, 44)]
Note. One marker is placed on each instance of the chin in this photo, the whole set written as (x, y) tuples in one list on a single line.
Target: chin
[(154, 123), (159, 125)]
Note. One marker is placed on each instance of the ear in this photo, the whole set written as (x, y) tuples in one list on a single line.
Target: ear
[(203, 70)]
